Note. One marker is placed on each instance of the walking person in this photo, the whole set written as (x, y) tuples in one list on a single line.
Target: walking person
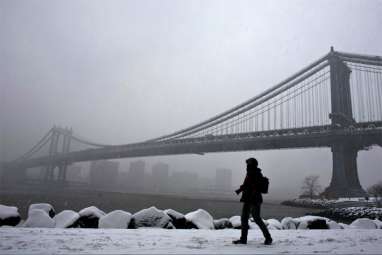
[(252, 199)]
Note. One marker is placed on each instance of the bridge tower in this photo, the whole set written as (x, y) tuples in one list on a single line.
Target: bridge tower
[(345, 181), (53, 150)]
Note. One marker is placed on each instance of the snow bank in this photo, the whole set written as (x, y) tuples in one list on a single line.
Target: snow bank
[(48, 208), (152, 217), (363, 223), (177, 218), (38, 218), (115, 219), (66, 219), (201, 219), (9, 215), (311, 222), (334, 225)]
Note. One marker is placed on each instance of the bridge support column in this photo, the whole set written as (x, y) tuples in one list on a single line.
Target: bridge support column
[(345, 181)]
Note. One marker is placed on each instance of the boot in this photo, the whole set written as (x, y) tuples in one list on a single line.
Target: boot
[(268, 241), (243, 238), (239, 241)]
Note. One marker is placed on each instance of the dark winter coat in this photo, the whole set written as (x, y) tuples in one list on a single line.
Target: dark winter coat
[(251, 181)]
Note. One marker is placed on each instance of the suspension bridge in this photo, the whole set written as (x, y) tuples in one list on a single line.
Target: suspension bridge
[(334, 102)]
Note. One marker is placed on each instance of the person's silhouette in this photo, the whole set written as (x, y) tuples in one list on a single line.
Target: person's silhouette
[(252, 200)]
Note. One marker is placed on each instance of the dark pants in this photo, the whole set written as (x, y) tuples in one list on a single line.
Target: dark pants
[(254, 209)]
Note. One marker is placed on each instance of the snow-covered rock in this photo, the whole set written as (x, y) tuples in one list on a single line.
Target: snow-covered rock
[(222, 223), (66, 219), (235, 221), (38, 218), (312, 222), (363, 223), (48, 208), (152, 217), (334, 225), (378, 223), (343, 225), (9, 216), (177, 218), (115, 219), (288, 223), (89, 217), (201, 219), (274, 224)]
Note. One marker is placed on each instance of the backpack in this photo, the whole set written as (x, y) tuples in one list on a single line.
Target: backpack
[(264, 185)]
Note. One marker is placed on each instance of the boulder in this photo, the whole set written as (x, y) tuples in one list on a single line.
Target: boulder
[(288, 223), (222, 223), (378, 223), (274, 224), (363, 223), (311, 222), (89, 217), (235, 222), (152, 217), (38, 218), (201, 219), (67, 219), (178, 219), (334, 225), (115, 219), (9, 216), (48, 208), (317, 224)]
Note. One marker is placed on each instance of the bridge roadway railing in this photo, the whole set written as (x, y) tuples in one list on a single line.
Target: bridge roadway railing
[(364, 134)]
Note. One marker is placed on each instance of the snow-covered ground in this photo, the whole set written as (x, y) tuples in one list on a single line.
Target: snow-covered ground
[(159, 241)]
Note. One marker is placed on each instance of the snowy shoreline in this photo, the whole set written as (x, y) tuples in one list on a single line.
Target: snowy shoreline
[(162, 241)]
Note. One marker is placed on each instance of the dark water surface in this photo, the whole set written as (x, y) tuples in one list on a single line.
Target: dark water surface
[(109, 201)]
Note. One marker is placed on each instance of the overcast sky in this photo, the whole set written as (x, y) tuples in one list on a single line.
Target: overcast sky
[(126, 71)]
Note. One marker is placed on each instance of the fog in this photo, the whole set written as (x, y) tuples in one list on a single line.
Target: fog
[(119, 72)]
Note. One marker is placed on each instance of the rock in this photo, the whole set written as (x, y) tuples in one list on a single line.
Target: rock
[(363, 223), (378, 223), (152, 217), (67, 219), (9, 216), (235, 222), (48, 208), (334, 225), (222, 223), (178, 219), (38, 218), (274, 224), (317, 224), (201, 219), (288, 223), (89, 217), (115, 219), (312, 222)]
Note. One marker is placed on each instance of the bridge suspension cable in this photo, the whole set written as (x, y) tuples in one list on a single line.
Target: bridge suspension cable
[(37, 147)]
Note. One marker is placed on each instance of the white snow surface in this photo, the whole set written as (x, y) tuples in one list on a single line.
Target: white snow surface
[(195, 241), (66, 218), (8, 211), (288, 223), (91, 211), (38, 218), (152, 217), (115, 219), (363, 223), (201, 218), (42, 206), (273, 224)]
